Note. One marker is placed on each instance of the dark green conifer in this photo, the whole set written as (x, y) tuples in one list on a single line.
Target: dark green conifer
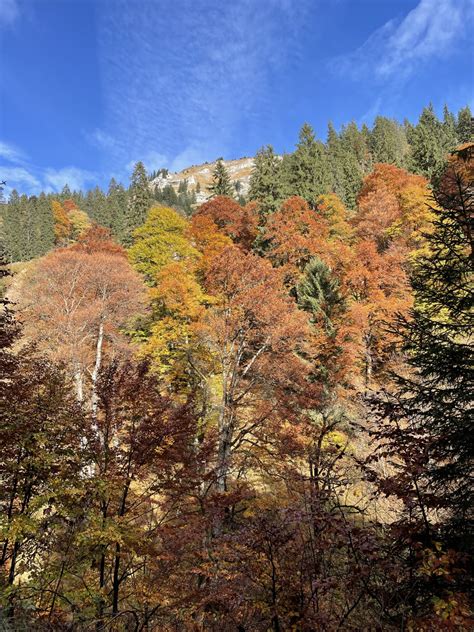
[(139, 202), (266, 184), (221, 184), (306, 171), (465, 125)]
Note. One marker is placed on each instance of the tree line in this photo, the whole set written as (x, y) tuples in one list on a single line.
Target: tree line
[(313, 169)]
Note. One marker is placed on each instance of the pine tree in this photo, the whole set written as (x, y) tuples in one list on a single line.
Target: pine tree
[(221, 184), (266, 185), (140, 200)]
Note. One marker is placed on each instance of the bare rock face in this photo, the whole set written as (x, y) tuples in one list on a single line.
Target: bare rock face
[(199, 177)]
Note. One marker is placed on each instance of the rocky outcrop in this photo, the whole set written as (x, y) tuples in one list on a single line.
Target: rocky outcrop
[(199, 177)]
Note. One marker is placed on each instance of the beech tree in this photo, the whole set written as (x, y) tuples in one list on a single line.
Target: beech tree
[(239, 223), (74, 302), (253, 328), (160, 241), (393, 205)]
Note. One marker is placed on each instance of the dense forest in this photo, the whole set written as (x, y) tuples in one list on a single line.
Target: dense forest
[(248, 415), (314, 168)]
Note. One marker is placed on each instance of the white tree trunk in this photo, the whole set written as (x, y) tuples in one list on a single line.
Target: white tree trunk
[(97, 365)]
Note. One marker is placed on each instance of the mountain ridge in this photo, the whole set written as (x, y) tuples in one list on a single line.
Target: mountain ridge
[(199, 177)]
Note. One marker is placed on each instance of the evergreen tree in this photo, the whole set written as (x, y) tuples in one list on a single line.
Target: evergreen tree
[(44, 226), (11, 228), (166, 196), (319, 293), (97, 208), (449, 128), (429, 145), (306, 171), (266, 185), (388, 142), (140, 200), (27, 227), (357, 143), (117, 201), (221, 184), (345, 170), (465, 125), (428, 422), (65, 194)]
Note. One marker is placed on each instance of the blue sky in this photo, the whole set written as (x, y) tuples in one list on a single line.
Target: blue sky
[(88, 87)]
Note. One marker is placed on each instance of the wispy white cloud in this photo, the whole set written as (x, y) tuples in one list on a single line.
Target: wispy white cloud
[(151, 159), (431, 30), (9, 12), (20, 174), (20, 178), (100, 139), (177, 78), (75, 178), (11, 154)]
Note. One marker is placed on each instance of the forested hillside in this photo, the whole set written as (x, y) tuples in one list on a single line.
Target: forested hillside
[(252, 413), (27, 223)]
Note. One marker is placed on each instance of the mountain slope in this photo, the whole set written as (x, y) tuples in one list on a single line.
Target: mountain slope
[(199, 177)]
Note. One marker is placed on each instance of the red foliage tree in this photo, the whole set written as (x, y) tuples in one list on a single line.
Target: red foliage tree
[(239, 223)]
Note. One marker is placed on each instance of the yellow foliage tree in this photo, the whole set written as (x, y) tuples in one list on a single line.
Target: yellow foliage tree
[(160, 241), (178, 304)]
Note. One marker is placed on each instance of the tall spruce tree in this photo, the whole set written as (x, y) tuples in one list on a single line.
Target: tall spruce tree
[(388, 142), (465, 125), (306, 171), (140, 200), (430, 418), (221, 184), (266, 185), (429, 145), (97, 208), (449, 129), (117, 200), (345, 171), (44, 226)]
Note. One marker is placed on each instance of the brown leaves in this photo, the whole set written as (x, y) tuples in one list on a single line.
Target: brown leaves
[(71, 291)]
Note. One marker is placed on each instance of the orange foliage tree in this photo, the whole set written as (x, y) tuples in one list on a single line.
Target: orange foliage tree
[(62, 224), (205, 236), (295, 234), (239, 223), (378, 287), (75, 300), (254, 331), (393, 206)]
